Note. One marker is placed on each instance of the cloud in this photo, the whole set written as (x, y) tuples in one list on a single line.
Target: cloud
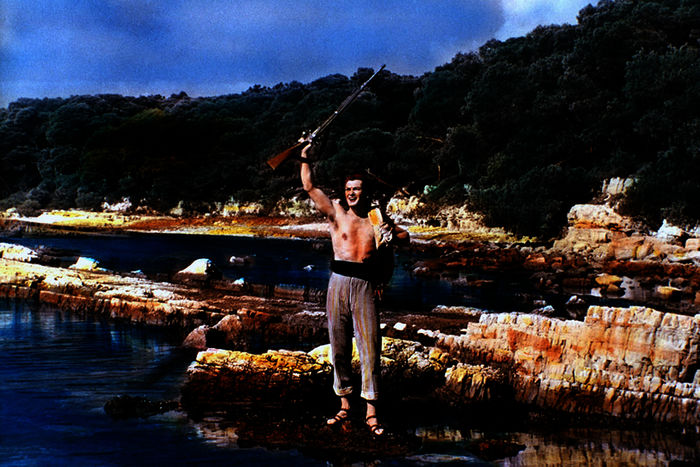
[(522, 16), (313, 37), (204, 47)]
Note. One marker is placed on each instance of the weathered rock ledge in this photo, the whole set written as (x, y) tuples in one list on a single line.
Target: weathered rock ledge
[(602, 254), (628, 363), (631, 363), (261, 314)]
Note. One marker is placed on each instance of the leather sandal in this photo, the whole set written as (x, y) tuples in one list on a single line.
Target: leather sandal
[(338, 418), (376, 428)]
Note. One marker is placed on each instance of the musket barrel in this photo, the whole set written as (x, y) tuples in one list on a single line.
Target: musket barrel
[(281, 157)]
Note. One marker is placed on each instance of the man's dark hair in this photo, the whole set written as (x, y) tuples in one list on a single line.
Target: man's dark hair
[(367, 183), (367, 187), (356, 176)]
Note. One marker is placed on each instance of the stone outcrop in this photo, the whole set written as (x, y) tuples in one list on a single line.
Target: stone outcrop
[(626, 363), (219, 380), (266, 315), (200, 271), (114, 296), (14, 252), (87, 264), (632, 363), (597, 216), (408, 368), (465, 383), (599, 233), (247, 329)]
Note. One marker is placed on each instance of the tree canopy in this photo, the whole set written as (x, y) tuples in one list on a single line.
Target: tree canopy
[(519, 130)]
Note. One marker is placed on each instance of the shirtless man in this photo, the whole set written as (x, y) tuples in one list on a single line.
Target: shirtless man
[(350, 299)]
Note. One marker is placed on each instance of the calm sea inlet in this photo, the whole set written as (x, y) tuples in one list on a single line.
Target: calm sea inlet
[(58, 370), (261, 261)]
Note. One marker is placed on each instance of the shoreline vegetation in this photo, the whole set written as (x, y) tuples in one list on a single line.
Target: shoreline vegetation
[(518, 130), (281, 225)]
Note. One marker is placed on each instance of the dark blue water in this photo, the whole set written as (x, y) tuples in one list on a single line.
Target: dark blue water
[(57, 372), (267, 261), (304, 263)]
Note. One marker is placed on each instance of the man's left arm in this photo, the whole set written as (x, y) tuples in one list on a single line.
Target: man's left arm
[(392, 233)]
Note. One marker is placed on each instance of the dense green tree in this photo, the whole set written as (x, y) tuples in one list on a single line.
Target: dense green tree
[(519, 130)]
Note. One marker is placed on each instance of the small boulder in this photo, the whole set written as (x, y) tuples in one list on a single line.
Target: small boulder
[(200, 269), (667, 292), (199, 266), (595, 215), (197, 338), (87, 264), (692, 244), (607, 280), (240, 260), (17, 253), (669, 232)]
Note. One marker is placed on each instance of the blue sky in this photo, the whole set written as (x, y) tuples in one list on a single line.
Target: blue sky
[(51, 48)]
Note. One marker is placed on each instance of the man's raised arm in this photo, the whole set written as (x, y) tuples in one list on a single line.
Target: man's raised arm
[(322, 202)]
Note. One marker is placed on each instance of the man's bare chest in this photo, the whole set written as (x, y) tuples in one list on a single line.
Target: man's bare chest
[(355, 231)]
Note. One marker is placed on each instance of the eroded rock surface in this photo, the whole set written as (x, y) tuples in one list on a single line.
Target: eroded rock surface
[(629, 363), (632, 363), (265, 315), (220, 380)]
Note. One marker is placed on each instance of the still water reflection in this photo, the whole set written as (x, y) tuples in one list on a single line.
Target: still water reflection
[(58, 371)]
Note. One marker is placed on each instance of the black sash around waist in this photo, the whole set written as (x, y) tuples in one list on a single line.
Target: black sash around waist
[(351, 269)]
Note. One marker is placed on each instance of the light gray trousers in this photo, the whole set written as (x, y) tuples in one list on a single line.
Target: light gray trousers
[(350, 307)]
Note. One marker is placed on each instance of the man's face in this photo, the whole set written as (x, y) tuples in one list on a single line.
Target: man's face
[(353, 192)]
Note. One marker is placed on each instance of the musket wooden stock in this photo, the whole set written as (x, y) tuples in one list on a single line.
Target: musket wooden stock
[(284, 155)]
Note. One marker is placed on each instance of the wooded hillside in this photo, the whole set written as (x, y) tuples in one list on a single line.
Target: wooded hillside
[(520, 130)]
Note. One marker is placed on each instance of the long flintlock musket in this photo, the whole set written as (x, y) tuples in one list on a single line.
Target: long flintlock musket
[(308, 138)]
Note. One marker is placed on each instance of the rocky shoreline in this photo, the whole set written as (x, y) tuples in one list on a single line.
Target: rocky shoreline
[(632, 364)]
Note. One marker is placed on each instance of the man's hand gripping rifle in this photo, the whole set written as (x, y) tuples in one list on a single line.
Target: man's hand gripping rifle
[(307, 138)]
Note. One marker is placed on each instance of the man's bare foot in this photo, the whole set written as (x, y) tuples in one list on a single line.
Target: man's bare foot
[(339, 418), (342, 415), (374, 426)]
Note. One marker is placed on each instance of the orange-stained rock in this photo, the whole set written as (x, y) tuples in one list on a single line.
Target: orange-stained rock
[(623, 248), (634, 363), (222, 379)]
